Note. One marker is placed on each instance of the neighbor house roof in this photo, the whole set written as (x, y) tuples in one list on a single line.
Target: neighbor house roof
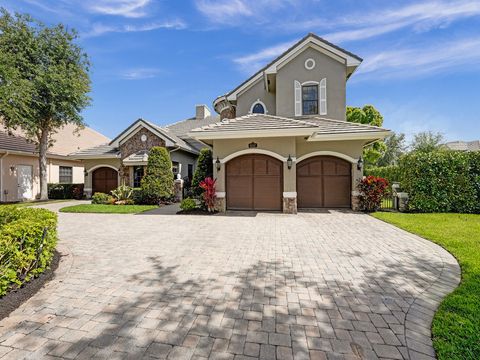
[(100, 151), (262, 125), (11, 142), (464, 145), (352, 62)]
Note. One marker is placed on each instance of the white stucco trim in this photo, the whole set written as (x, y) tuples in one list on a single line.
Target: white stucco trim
[(253, 151), (102, 165), (221, 194), (310, 82), (258, 101), (328, 153), (289, 194)]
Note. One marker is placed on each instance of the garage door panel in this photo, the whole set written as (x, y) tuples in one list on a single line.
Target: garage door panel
[(254, 182), (241, 198), (323, 181), (266, 193), (313, 197), (338, 191), (104, 180)]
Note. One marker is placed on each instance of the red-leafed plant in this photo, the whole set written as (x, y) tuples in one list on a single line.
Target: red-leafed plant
[(372, 190), (209, 193)]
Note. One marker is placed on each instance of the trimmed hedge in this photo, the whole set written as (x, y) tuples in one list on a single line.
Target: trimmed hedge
[(65, 191), (392, 172), (27, 241), (442, 181)]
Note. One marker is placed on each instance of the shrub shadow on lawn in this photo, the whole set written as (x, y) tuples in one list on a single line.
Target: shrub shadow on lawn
[(168, 312)]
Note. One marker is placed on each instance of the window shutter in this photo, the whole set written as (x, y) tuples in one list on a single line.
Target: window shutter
[(298, 98), (323, 97)]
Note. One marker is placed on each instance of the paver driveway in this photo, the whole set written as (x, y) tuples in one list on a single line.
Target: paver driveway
[(315, 285)]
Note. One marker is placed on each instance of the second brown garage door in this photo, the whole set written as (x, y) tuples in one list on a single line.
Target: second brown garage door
[(254, 182), (323, 182)]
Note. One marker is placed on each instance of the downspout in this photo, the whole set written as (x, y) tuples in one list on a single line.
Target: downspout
[(1, 176)]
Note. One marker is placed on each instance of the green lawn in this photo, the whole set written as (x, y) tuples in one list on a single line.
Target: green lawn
[(107, 209), (456, 325), (35, 202)]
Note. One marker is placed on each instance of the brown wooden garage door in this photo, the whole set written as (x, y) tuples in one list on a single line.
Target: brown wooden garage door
[(104, 180), (254, 182), (323, 182)]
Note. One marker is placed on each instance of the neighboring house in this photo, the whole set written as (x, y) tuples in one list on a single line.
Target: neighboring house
[(19, 164), (124, 159), (464, 145), (283, 141)]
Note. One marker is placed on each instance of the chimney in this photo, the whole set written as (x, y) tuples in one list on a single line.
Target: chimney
[(201, 112)]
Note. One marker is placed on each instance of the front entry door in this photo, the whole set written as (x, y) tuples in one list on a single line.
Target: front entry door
[(24, 182)]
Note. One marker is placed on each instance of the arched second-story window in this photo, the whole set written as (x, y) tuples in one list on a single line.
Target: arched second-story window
[(258, 107)]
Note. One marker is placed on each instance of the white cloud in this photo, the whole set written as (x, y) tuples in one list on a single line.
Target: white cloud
[(126, 8), (99, 29), (140, 74), (422, 59), (253, 62)]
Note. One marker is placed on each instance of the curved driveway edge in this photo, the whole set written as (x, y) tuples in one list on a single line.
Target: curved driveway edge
[(331, 285)]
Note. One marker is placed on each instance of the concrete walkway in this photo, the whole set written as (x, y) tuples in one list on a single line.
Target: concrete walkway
[(334, 285)]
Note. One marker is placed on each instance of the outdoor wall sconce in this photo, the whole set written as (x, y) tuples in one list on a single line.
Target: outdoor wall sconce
[(218, 164), (289, 162), (360, 163), (85, 172), (12, 169)]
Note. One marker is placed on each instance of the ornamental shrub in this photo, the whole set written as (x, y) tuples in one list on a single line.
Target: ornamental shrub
[(102, 198), (28, 237), (203, 170), (392, 173), (188, 204), (372, 190), (123, 195), (442, 181), (65, 191), (209, 193), (157, 184)]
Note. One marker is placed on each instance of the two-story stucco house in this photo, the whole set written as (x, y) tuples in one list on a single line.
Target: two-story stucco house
[(283, 142)]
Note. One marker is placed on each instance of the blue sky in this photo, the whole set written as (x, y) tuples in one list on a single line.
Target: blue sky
[(156, 59)]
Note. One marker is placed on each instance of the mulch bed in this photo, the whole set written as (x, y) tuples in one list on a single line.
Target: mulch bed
[(196, 212), (17, 297)]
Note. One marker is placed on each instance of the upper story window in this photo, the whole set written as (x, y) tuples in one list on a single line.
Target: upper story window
[(258, 107), (65, 175), (310, 99)]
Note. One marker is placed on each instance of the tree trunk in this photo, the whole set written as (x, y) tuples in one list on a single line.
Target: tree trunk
[(43, 147)]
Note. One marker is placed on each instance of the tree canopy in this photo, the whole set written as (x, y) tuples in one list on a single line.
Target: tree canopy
[(44, 80), (394, 148), (427, 141)]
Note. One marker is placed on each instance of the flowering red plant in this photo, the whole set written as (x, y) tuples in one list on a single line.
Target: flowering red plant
[(209, 193), (372, 190)]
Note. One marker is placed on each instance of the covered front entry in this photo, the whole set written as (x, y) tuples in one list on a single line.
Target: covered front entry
[(324, 182), (104, 179), (254, 182)]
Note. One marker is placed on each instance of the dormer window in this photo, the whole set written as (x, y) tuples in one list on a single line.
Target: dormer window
[(310, 99), (258, 107)]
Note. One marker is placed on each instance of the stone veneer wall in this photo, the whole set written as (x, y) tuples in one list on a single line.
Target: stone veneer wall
[(289, 205), (228, 113)]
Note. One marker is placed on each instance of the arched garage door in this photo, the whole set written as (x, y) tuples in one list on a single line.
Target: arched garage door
[(254, 182), (104, 180), (323, 182)]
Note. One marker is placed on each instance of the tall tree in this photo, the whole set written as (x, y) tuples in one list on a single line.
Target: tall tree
[(368, 115), (44, 81), (394, 147), (427, 141)]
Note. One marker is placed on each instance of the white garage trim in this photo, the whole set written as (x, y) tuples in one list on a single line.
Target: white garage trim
[(253, 151), (328, 153), (100, 166)]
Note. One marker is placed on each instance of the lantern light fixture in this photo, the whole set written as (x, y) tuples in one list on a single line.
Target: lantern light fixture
[(289, 162), (360, 163), (218, 164)]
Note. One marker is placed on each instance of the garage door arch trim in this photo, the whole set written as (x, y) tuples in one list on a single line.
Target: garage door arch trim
[(328, 153)]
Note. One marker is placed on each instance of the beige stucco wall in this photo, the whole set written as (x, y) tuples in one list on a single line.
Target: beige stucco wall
[(326, 67), (9, 180), (251, 95), (184, 159), (284, 147)]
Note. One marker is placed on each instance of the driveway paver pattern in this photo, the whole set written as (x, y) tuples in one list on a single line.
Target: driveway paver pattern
[(331, 285)]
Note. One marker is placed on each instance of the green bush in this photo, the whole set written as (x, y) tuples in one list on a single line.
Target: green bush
[(188, 204), (157, 184), (392, 172), (102, 198), (442, 181), (27, 241), (123, 195), (65, 191), (203, 170)]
